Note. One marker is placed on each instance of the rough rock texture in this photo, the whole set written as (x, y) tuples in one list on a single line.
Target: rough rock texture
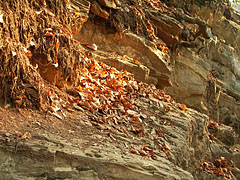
[(190, 84), (185, 134), (168, 28), (180, 139), (131, 45), (52, 157)]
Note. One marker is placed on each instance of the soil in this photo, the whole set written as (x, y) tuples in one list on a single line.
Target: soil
[(75, 125)]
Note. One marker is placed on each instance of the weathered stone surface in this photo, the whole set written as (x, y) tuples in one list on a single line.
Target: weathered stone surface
[(219, 24), (82, 6), (168, 28), (108, 3), (191, 71), (139, 71), (236, 158), (42, 157), (53, 157), (133, 46), (189, 79), (227, 135), (96, 9)]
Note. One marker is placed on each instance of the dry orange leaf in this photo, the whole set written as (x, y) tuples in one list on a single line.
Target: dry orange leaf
[(57, 44), (143, 153), (54, 108), (182, 107), (79, 88), (159, 132), (70, 100), (49, 34), (67, 107), (145, 148), (134, 151), (28, 54)]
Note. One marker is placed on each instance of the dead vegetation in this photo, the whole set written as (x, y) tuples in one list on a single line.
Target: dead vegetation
[(37, 45)]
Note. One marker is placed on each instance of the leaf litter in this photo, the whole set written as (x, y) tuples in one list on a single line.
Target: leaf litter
[(111, 96), (221, 167)]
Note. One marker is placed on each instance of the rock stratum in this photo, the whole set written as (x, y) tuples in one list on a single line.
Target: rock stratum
[(90, 121)]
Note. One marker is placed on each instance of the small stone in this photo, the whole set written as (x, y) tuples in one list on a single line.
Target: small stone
[(144, 116), (126, 9)]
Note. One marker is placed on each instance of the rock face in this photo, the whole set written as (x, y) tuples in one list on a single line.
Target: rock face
[(168, 28), (108, 3), (186, 76), (190, 84), (52, 157), (206, 80), (134, 47), (184, 136), (48, 161), (96, 9)]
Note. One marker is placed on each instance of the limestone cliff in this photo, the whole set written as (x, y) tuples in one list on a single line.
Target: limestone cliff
[(190, 50)]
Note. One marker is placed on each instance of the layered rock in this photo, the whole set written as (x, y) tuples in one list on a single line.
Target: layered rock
[(51, 156), (133, 46), (206, 80)]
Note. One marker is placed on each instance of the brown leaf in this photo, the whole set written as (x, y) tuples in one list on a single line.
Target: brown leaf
[(134, 151)]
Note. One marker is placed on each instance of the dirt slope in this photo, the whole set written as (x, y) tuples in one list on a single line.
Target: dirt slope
[(67, 115)]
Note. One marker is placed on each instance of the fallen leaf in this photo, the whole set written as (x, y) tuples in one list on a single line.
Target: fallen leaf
[(90, 46), (27, 52), (57, 44), (67, 107), (49, 34), (144, 154), (77, 107), (38, 12), (54, 108), (159, 132), (94, 123), (26, 135), (182, 107), (134, 151), (77, 14)]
